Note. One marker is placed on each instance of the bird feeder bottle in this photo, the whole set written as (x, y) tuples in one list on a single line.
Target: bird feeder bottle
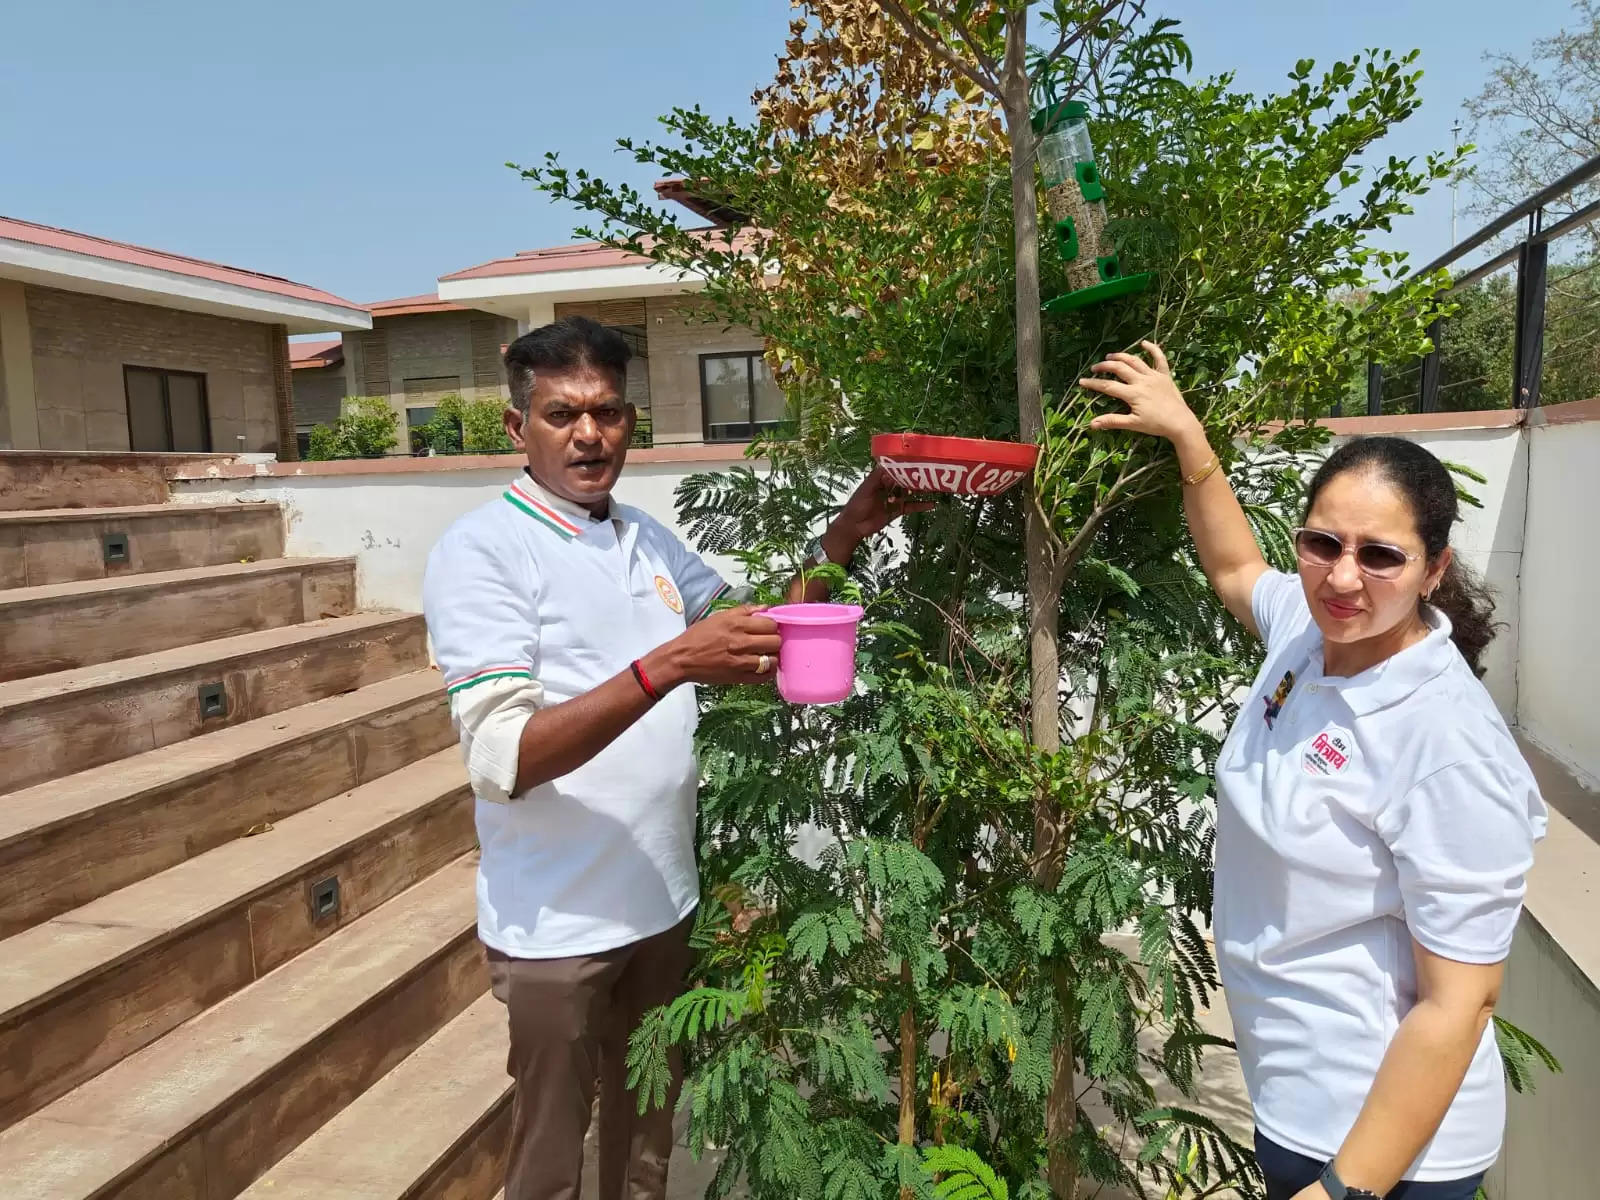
[(1075, 197)]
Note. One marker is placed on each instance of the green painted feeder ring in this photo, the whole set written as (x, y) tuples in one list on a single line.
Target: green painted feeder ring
[(1049, 117), (1127, 285)]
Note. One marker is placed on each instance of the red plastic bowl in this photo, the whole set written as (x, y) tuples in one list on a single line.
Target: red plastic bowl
[(921, 462)]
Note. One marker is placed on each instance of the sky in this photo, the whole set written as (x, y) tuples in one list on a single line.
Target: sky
[(360, 146)]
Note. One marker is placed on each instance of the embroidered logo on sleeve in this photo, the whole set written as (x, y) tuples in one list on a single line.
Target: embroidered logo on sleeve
[(1275, 702), (1329, 752), (669, 594)]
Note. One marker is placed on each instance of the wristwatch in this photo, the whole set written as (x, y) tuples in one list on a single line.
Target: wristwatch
[(1334, 1186), (816, 555)]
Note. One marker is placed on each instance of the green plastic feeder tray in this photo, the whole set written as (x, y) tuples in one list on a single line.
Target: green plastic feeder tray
[(1125, 285)]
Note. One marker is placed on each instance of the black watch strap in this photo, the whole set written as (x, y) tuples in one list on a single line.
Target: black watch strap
[(1336, 1189)]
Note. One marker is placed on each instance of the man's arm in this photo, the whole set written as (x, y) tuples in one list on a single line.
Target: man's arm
[(871, 507), (481, 600), (725, 647)]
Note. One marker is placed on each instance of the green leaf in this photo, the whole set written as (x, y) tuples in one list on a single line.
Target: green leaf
[(962, 1175)]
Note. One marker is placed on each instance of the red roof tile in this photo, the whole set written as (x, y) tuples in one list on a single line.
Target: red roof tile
[(429, 302), (140, 256), (580, 256), (326, 353)]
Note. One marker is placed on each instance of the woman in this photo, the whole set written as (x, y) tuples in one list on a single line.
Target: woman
[(1375, 820)]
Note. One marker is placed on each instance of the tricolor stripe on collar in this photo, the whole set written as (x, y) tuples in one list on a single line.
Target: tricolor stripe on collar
[(542, 512)]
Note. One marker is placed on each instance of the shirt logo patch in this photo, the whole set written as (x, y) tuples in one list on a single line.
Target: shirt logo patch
[(1275, 702), (1329, 752), (669, 594)]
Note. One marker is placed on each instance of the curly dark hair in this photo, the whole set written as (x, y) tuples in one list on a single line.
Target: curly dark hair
[(1431, 495)]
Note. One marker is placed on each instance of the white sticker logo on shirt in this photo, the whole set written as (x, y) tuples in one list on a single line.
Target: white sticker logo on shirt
[(1329, 752), (669, 594)]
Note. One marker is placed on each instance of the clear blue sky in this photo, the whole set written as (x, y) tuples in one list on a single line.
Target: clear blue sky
[(359, 146)]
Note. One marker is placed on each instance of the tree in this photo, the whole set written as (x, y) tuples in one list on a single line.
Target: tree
[(1023, 775), (465, 426), (1538, 117), (365, 429)]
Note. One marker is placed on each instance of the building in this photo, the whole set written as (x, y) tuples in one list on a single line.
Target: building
[(693, 382), (419, 349), (115, 347)]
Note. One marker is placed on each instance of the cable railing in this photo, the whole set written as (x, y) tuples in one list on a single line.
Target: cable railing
[(1528, 306)]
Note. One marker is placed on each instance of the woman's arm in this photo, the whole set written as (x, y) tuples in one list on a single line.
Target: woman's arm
[(1227, 546), (1421, 1072)]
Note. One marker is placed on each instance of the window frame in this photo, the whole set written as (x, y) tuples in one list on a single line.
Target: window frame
[(164, 374), (754, 427)]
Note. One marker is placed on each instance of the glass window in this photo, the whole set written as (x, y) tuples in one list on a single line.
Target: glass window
[(166, 410), (738, 397)]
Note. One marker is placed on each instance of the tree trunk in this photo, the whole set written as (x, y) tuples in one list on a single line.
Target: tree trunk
[(908, 1071), (1044, 597)]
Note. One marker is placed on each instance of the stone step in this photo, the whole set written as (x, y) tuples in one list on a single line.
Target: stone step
[(84, 990), (59, 626), (53, 725), (69, 840), (205, 1110), (82, 479), (453, 1099), (61, 545)]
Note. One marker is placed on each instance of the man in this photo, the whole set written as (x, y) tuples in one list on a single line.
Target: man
[(570, 630)]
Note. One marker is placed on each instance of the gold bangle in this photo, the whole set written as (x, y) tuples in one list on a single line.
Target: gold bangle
[(1204, 473)]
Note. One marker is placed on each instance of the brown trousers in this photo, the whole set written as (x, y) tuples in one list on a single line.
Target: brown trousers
[(570, 1023)]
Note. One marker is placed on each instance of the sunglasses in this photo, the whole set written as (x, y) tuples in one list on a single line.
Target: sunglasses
[(1380, 560)]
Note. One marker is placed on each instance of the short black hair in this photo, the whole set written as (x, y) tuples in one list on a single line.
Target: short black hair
[(564, 345)]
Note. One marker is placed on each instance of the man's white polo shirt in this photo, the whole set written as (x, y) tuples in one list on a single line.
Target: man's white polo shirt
[(530, 601), (1355, 814)]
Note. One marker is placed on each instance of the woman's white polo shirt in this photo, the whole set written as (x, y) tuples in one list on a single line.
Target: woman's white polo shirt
[(532, 601), (1354, 814)]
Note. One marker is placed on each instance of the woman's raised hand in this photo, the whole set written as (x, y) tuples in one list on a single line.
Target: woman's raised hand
[(1155, 405)]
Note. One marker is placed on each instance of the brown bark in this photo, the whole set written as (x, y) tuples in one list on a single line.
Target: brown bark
[(1044, 590), (908, 1071)]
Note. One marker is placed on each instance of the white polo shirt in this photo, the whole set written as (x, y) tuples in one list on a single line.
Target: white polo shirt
[(531, 601), (1354, 814)]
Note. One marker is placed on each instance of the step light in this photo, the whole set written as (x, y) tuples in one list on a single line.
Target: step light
[(325, 899), (115, 548), (213, 701)]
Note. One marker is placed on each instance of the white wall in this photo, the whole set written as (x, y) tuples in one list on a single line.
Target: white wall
[(1560, 652), (390, 522)]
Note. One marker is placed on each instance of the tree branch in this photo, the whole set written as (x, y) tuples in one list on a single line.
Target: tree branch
[(897, 11), (1081, 31), (986, 59)]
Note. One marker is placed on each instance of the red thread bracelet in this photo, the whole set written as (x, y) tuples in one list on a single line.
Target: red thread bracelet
[(644, 682)]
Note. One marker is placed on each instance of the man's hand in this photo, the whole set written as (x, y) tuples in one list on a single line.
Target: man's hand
[(1315, 1192), (872, 506), (726, 647)]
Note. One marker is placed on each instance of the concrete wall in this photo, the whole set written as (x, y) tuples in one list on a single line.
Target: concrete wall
[(677, 341), (1552, 990), (458, 351), (21, 427), (1560, 653), (81, 343), (389, 514), (318, 392)]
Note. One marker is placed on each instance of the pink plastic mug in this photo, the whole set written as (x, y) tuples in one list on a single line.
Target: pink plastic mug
[(817, 651)]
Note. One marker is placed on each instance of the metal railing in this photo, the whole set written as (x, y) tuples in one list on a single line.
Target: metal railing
[(1532, 257)]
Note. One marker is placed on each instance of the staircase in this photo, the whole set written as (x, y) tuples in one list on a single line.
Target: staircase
[(237, 926)]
